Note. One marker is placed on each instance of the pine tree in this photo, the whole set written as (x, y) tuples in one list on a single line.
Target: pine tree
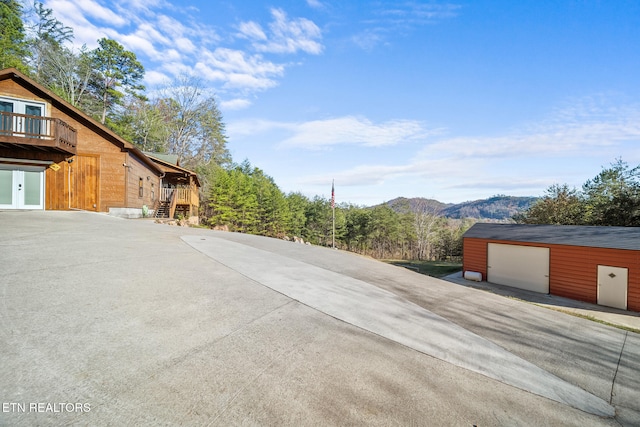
[(13, 45)]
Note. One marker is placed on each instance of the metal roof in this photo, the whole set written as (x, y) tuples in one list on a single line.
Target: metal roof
[(168, 158), (572, 235)]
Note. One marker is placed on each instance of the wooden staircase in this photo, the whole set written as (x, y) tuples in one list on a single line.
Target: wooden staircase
[(163, 209)]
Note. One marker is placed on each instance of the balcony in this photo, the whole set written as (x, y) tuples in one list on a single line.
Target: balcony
[(183, 199), (44, 133)]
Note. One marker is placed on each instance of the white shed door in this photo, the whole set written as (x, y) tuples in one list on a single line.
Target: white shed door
[(523, 267), (612, 286)]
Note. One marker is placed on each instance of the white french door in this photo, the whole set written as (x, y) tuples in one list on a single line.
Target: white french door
[(22, 188)]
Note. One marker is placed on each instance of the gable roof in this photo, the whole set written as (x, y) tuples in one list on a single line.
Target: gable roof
[(77, 114), (163, 161), (572, 235)]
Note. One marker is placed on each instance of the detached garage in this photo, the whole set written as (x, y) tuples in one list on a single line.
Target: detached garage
[(600, 265)]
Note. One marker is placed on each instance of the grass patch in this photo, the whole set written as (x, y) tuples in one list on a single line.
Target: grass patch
[(430, 268)]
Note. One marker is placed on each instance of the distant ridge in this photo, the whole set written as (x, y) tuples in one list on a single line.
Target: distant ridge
[(497, 208)]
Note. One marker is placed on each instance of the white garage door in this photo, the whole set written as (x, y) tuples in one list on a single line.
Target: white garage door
[(523, 267)]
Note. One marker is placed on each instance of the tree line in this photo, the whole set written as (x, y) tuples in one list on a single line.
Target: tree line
[(611, 198), (243, 198), (183, 119)]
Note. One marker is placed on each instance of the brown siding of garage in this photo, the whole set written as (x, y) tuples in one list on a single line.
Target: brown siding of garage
[(475, 256), (573, 270)]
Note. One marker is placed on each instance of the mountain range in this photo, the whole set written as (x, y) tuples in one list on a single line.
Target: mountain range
[(497, 208)]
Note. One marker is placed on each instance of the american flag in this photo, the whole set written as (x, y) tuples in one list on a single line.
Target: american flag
[(333, 196)]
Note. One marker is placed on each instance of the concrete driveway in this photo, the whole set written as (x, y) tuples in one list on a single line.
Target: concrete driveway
[(106, 321)]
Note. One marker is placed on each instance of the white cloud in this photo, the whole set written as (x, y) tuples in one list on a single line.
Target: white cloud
[(238, 61), (251, 30), (359, 175), (416, 13), (354, 130), (285, 36), (389, 18), (316, 4), (248, 81), (100, 13), (368, 39), (576, 130), (144, 6), (238, 70), (136, 43), (235, 104), (255, 127), (503, 183), (71, 15), (176, 69), (347, 130), (149, 31), (181, 44), (173, 28), (156, 78), (524, 161), (379, 174)]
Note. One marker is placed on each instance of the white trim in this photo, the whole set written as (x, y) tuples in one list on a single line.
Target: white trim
[(19, 104), (32, 162), (17, 200), (23, 168)]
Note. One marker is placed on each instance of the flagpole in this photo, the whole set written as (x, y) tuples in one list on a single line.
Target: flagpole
[(333, 209)]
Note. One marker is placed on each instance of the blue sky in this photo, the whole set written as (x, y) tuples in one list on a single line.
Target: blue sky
[(455, 101)]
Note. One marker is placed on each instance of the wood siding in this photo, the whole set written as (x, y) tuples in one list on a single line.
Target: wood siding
[(12, 89), (573, 270), (138, 172), (85, 176), (110, 184), (98, 171), (56, 196)]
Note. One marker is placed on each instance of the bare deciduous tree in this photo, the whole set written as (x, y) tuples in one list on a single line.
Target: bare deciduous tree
[(425, 221), (194, 127)]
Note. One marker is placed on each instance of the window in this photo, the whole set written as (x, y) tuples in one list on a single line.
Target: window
[(5, 119), (19, 125), (32, 126), (153, 193), (140, 187)]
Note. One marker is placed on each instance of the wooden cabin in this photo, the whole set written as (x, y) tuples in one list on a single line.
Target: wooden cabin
[(55, 157), (179, 193), (599, 265)]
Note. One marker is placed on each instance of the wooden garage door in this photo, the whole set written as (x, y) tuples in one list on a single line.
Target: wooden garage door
[(523, 267), (84, 182)]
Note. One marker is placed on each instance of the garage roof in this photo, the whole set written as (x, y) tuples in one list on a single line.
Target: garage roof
[(572, 235)]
